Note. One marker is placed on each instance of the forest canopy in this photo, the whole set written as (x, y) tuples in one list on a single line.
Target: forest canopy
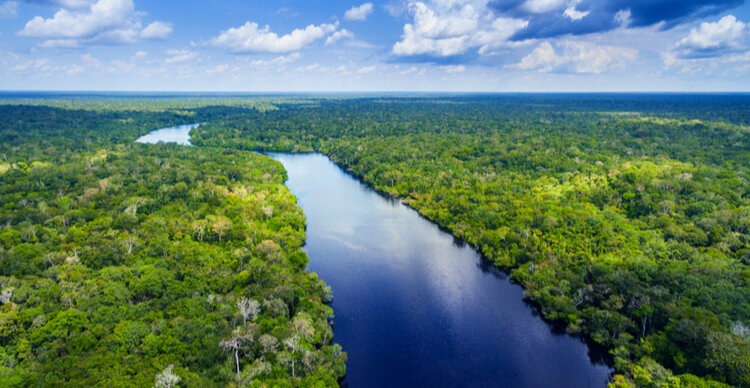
[(626, 218)]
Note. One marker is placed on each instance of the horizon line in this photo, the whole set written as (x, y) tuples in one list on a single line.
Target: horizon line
[(314, 92)]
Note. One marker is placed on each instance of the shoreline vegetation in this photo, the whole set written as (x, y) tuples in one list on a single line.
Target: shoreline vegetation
[(628, 228), (626, 219)]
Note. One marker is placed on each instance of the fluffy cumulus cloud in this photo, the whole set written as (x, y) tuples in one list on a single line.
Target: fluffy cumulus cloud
[(714, 39), (713, 46), (576, 57), (551, 18), (359, 13), (104, 21), (251, 38), (157, 30), (338, 35), (445, 28)]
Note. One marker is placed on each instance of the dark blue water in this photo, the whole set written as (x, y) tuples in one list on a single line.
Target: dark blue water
[(413, 308)]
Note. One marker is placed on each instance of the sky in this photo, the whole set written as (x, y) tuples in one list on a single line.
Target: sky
[(378, 46)]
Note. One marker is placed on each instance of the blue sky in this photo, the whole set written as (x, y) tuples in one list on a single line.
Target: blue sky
[(396, 45)]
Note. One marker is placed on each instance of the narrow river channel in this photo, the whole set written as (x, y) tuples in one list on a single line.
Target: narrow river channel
[(413, 307)]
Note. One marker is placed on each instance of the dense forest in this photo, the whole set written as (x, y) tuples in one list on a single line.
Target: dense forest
[(625, 219), (137, 265)]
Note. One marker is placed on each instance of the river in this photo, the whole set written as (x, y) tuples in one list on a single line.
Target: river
[(414, 307), (179, 134)]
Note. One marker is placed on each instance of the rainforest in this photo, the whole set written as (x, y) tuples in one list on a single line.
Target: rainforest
[(624, 218)]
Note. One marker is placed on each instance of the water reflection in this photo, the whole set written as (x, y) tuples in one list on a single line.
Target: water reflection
[(414, 307), (179, 134)]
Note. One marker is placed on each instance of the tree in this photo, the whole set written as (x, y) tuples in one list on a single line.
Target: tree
[(220, 226), (167, 378), (249, 308), (199, 228), (234, 344), (293, 345)]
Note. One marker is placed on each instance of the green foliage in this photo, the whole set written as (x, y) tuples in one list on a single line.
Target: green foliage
[(121, 261), (631, 228)]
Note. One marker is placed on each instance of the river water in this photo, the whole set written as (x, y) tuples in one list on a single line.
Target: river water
[(414, 307), (179, 134)]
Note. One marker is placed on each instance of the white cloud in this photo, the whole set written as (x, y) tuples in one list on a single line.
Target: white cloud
[(9, 9), (104, 15), (221, 69), (715, 47), (359, 13), (180, 56), (445, 28), (60, 43), (157, 30), (453, 68), (76, 69), (336, 36), (576, 57), (287, 12), (543, 58), (278, 61), (572, 13), (624, 17), (89, 60), (366, 69), (249, 38), (42, 66), (310, 67), (105, 21), (712, 39), (413, 70), (542, 6)]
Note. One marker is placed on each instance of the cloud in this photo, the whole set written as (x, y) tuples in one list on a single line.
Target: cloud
[(90, 60), (542, 6), (445, 28), (413, 70), (76, 69), (359, 13), (552, 18), (714, 39), (9, 9), (249, 38), (278, 61), (453, 68), (310, 67), (287, 12), (223, 68), (180, 56), (573, 14), (576, 57), (60, 43), (105, 21), (336, 36), (366, 69), (157, 30), (713, 47)]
